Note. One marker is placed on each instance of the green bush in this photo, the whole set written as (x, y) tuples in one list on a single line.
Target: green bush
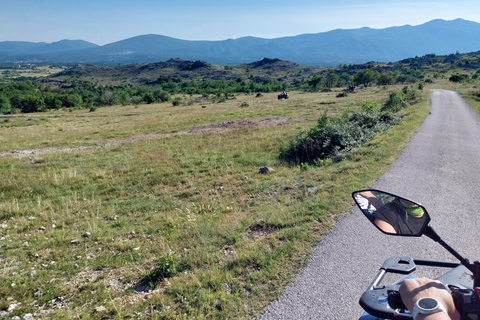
[(333, 135), (5, 107), (410, 94), (369, 106), (459, 78), (165, 96), (177, 101), (166, 268), (395, 102)]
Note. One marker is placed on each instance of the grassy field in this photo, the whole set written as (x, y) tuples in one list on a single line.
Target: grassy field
[(160, 212), (27, 71)]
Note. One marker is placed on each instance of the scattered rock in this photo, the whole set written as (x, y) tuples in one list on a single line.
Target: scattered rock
[(312, 189), (86, 234), (90, 256), (75, 241), (42, 228), (12, 307), (101, 309), (38, 293)]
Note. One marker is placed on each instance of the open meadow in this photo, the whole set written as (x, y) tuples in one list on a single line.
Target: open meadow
[(155, 211), (27, 70)]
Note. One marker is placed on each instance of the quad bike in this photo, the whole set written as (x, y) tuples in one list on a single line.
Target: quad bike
[(283, 95), (397, 216)]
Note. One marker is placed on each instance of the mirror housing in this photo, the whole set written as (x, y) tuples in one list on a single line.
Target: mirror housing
[(392, 214)]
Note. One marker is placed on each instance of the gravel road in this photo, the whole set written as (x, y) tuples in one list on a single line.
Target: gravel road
[(439, 168)]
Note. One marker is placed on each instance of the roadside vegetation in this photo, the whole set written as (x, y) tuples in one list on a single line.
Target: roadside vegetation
[(331, 137), (161, 211)]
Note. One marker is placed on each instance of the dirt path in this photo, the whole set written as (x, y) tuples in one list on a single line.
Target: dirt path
[(110, 143)]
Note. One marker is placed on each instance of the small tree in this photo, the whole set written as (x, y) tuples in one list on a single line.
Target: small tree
[(136, 100), (385, 79), (5, 107), (165, 96), (365, 77), (124, 98), (31, 102), (331, 79), (148, 97), (313, 81)]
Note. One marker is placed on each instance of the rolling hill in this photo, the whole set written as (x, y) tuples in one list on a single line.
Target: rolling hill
[(326, 48)]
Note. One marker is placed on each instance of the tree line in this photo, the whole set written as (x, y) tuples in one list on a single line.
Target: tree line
[(35, 96)]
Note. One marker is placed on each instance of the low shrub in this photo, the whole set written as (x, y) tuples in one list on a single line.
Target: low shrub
[(410, 94), (166, 268), (177, 101), (332, 135), (369, 106), (395, 102)]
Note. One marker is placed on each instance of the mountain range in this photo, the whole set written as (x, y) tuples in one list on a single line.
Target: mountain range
[(346, 46)]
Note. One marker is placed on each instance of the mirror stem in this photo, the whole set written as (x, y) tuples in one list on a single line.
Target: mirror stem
[(476, 274), (432, 234)]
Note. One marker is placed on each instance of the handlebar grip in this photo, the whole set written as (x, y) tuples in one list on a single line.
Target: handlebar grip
[(394, 300)]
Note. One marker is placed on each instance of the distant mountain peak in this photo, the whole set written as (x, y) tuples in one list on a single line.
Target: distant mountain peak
[(349, 46)]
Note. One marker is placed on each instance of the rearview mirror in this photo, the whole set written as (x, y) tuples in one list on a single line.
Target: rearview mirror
[(392, 214)]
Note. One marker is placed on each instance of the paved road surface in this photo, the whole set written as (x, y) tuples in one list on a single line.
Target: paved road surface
[(440, 168)]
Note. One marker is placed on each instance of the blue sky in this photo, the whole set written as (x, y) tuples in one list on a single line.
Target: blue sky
[(106, 21)]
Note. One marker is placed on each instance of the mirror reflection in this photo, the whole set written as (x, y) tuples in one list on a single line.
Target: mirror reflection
[(392, 214)]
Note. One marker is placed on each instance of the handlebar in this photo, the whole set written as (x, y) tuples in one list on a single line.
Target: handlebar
[(384, 301), (395, 300)]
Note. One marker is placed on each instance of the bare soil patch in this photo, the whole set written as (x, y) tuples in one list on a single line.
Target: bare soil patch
[(110, 143)]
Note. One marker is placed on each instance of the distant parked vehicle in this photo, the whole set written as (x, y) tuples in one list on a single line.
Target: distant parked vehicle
[(350, 89), (283, 95)]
